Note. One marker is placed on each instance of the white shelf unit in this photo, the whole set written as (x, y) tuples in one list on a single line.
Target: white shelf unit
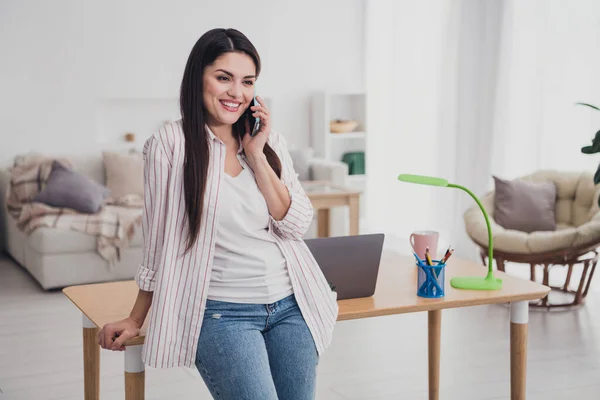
[(349, 135), (328, 106)]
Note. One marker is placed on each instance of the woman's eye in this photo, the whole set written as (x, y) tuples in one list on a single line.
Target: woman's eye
[(250, 83), (223, 78)]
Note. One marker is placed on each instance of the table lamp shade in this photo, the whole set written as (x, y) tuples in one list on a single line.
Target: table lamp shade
[(468, 282), (423, 180)]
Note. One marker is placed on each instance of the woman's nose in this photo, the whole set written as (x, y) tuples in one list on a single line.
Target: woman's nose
[(235, 90)]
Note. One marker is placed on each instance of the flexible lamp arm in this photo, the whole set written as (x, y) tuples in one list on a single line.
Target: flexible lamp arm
[(487, 222)]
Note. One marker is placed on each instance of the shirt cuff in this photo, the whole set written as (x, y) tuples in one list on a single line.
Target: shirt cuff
[(296, 221), (145, 278)]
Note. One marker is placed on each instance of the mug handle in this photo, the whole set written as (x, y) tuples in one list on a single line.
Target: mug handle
[(412, 242)]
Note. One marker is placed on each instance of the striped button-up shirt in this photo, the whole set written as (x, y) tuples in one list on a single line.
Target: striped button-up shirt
[(180, 279)]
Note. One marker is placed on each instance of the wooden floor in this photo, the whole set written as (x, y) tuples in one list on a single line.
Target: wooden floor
[(376, 359)]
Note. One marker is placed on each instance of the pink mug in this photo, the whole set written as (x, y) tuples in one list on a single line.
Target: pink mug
[(421, 240)]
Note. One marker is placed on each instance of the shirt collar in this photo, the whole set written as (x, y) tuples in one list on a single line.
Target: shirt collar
[(212, 136)]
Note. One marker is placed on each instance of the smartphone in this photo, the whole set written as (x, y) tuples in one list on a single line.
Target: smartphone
[(254, 122)]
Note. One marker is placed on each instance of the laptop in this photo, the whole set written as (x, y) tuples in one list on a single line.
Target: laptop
[(349, 263)]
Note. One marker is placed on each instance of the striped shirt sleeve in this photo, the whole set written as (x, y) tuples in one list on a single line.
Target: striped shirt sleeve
[(156, 178), (299, 215)]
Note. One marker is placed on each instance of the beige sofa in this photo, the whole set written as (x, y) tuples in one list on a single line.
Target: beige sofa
[(58, 258)]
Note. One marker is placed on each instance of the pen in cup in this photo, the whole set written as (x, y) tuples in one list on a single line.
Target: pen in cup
[(447, 255)]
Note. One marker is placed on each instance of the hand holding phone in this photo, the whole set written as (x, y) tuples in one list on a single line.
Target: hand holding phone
[(257, 129), (256, 125)]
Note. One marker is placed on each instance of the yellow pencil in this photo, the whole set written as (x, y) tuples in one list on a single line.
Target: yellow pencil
[(428, 257)]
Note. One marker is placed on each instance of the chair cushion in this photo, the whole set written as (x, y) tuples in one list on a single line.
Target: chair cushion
[(576, 194), (54, 241)]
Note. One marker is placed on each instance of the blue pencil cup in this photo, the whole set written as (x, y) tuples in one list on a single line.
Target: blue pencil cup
[(430, 281)]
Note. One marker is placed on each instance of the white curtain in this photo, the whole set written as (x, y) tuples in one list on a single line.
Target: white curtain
[(464, 89)]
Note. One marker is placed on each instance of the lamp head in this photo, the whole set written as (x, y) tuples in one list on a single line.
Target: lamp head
[(422, 180)]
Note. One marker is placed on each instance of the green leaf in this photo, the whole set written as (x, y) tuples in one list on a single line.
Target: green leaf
[(589, 105)]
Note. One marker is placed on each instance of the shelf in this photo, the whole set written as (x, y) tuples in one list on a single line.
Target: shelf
[(349, 135)]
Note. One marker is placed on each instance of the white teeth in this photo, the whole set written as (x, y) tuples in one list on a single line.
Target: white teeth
[(232, 105)]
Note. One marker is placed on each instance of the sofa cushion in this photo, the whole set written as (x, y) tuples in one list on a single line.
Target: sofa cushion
[(90, 165), (124, 174), (54, 241), (69, 189)]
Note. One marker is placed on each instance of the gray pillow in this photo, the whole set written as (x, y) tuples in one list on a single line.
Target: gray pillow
[(67, 188), (524, 205)]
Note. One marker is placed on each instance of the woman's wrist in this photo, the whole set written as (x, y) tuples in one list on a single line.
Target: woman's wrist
[(255, 160), (136, 321)]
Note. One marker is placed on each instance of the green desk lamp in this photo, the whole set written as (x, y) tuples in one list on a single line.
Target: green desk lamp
[(465, 282)]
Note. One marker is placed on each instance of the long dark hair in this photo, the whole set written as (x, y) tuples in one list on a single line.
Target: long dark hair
[(207, 49)]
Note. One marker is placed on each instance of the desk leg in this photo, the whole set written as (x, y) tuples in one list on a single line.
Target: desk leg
[(135, 376), (91, 361), (435, 328), (519, 316), (354, 215), (323, 222)]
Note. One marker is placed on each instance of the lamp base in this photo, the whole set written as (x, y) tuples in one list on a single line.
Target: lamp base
[(476, 283)]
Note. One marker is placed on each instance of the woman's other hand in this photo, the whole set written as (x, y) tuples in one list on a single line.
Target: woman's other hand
[(114, 334)]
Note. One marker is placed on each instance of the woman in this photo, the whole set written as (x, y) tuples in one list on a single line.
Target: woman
[(234, 289)]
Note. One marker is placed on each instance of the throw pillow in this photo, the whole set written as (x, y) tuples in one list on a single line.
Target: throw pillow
[(124, 174), (69, 189), (525, 205)]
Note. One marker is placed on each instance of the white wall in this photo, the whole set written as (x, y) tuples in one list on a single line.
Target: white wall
[(76, 75), (467, 89)]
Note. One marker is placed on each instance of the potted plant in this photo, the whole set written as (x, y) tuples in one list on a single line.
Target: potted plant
[(594, 148)]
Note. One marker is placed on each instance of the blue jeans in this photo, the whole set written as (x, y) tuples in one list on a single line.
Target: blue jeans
[(257, 351)]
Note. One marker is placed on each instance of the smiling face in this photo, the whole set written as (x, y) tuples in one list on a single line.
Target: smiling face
[(228, 88)]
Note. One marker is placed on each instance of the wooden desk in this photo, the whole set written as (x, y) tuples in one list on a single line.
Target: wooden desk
[(395, 294), (324, 195)]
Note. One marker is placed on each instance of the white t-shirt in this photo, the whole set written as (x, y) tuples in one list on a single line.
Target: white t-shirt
[(248, 265)]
